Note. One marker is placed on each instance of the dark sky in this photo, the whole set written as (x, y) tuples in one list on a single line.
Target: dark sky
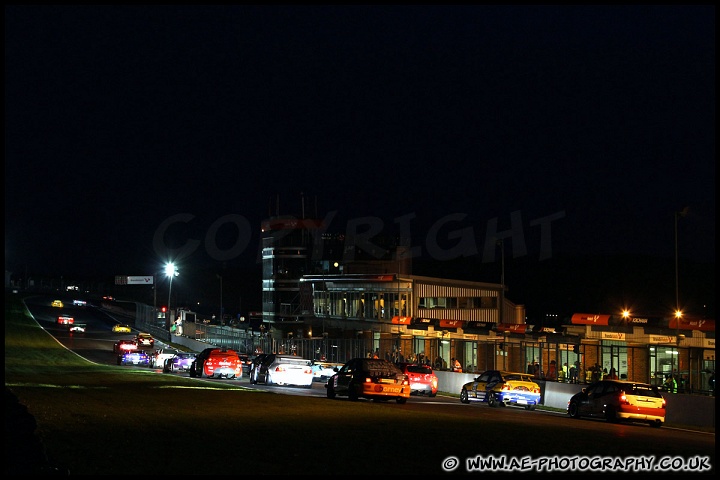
[(598, 122)]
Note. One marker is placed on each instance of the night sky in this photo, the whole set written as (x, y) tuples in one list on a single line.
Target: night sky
[(595, 122)]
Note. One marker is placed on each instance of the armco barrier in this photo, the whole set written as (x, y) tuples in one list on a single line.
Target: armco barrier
[(682, 409)]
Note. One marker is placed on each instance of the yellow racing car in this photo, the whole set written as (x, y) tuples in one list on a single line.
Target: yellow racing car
[(120, 328), (498, 388)]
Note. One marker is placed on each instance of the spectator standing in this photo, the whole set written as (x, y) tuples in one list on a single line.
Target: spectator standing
[(671, 384), (456, 367), (573, 372), (551, 373)]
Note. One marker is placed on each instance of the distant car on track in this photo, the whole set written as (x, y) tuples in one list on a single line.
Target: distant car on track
[(216, 362), (144, 340), (65, 320), (422, 379), (78, 328), (136, 357), (255, 362), (124, 345), (57, 303), (498, 389), (284, 370), (324, 370), (158, 357), (619, 400), (120, 328), (180, 362), (371, 378), (246, 362)]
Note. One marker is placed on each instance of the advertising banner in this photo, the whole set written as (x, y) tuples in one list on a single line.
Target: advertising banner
[(140, 280)]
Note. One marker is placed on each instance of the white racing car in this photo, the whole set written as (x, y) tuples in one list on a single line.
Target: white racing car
[(158, 357)]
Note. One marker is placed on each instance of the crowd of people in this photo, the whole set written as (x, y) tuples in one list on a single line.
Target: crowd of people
[(396, 356), (570, 373)]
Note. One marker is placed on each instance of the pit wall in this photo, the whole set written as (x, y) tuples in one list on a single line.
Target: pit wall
[(682, 409)]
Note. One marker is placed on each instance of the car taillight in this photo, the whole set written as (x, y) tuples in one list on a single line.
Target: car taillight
[(623, 399), (279, 369)]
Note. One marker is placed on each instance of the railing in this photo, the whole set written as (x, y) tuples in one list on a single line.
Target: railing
[(247, 341), (244, 341)]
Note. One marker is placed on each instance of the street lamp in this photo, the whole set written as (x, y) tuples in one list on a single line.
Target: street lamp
[(678, 312), (325, 343), (171, 272), (501, 243), (221, 307), (155, 315)]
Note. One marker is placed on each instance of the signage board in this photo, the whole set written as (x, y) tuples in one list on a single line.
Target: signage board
[(613, 336), (662, 339), (140, 280)]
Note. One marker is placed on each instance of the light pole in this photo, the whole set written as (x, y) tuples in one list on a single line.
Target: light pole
[(678, 312), (171, 272), (154, 319), (221, 308), (325, 342), (501, 243)]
